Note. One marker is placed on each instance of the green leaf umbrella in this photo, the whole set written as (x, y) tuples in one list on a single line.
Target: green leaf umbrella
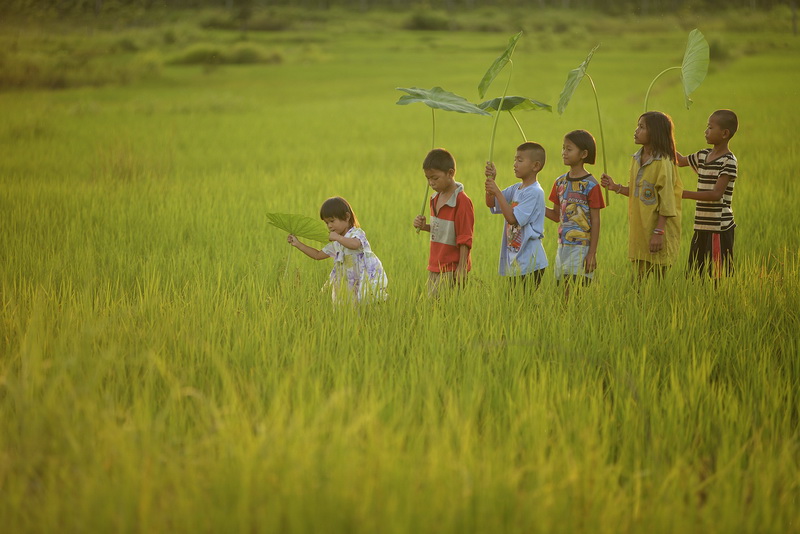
[(494, 69), (573, 80), (300, 226), (498, 65), (515, 103), (693, 68), (437, 98), (695, 64)]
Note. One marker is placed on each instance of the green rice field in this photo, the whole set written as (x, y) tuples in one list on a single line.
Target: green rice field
[(168, 363)]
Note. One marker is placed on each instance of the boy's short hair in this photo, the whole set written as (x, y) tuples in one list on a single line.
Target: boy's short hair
[(439, 159), (727, 120), (338, 208), (537, 151), (584, 141)]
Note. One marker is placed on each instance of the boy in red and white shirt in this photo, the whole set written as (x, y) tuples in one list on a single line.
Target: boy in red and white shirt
[(452, 223)]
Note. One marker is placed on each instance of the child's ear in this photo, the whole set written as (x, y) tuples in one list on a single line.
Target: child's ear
[(451, 173), (584, 155), (726, 133)]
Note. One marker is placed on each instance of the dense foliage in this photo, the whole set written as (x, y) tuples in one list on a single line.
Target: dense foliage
[(244, 8)]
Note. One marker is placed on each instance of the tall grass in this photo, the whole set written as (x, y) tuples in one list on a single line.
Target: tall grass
[(169, 363)]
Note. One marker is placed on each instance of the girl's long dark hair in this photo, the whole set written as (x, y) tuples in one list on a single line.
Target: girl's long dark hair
[(338, 208), (661, 133)]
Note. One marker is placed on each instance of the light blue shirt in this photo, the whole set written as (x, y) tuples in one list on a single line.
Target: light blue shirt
[(521, 251)]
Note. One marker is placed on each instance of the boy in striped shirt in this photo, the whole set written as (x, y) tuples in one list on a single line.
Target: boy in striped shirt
[(711, 251)]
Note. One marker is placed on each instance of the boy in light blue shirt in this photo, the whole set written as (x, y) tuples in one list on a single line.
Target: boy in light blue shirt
[(522, 256)]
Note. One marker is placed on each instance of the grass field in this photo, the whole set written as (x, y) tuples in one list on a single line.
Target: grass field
[(169, 364)]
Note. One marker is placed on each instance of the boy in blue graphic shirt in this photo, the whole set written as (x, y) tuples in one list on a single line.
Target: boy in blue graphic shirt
[(522, 256)]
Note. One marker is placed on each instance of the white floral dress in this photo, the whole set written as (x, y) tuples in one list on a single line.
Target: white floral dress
[(357, 274)]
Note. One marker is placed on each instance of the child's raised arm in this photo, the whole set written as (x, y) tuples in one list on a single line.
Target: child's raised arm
[(352, 243), (608, 182), (681, 160), (554, 213), (491, 174), (311, 252), (420, 224)]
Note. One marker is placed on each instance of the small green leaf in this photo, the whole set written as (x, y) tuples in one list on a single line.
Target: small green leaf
[(573, 79), (515, 103), (438, 98), (299, 225), (498, 65), (695, 64)]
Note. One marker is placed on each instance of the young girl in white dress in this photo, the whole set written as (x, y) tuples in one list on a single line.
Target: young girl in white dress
[(357, 274)]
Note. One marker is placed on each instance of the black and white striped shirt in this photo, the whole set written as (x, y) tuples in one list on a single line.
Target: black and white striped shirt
[(714, 216)]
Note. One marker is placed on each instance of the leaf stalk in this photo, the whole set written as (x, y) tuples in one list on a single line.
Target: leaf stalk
[(600, 121), (500, 109), (660, 74)]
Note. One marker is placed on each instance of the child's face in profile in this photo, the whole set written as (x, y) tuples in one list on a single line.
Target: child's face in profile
[(524, 164), (640, 136), (440, 180), (715, 134), (571, 154)]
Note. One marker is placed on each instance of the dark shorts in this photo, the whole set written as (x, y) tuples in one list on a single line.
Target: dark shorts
[(711, 253), (532, 280)]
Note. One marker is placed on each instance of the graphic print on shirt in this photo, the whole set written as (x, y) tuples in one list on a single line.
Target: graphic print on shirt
[(514, 233), (574, 212)]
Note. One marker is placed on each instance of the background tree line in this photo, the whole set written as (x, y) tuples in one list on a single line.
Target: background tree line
[(245, 7)]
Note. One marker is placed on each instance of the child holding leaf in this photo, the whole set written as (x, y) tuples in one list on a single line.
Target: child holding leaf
[(357, 274), (452, 223), (522, 206), (577, 202), (654, 196)]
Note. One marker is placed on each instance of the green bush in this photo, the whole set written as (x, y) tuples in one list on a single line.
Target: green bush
[(429, 20), (199, 54), (213, 54)]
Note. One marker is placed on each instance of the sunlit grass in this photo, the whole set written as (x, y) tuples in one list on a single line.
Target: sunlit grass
[(169, 363)]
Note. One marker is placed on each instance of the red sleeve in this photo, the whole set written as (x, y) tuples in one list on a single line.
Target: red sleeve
[(464, 220), (554, 194), (596, 199)]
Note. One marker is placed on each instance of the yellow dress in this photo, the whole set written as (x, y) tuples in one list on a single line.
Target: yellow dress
[(655, 189)]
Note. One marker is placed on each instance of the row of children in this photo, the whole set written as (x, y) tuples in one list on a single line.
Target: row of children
[(654, 192)]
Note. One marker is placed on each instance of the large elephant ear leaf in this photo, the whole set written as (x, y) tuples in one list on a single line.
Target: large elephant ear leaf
[(498, 65), (515, 103), (573, 79), (438, 98), (695, 64), (299, 225)]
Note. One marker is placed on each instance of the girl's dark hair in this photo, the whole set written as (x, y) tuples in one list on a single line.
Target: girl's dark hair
[(584, 141), (439, 159), (661, 133), (338, 208)]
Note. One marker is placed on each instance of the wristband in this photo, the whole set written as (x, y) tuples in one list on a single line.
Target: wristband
[(619, 189), (658, 231)]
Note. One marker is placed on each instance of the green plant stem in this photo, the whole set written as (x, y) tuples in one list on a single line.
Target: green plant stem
[(288, 259), (499, 110), (433, 145), (602, 137), (524, 138), (647, 95)]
